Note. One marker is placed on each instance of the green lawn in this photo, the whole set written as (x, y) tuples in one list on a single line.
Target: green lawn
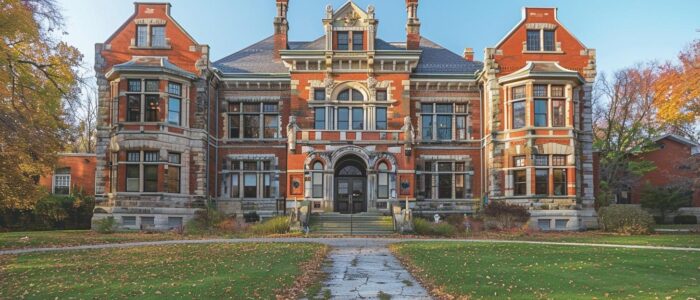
[(522, 271), (62, 238), (236, 271), (686, 240)]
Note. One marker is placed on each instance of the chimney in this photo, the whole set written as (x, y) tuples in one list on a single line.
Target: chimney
[(469, 54), (281, 27), (412, 26)]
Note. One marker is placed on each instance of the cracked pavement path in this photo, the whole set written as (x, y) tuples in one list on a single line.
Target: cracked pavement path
[(366, 270)]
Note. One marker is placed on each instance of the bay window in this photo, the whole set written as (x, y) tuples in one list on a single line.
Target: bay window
[(142, 174), (173, 184), (174, 103), (142, 95), (519, 176)]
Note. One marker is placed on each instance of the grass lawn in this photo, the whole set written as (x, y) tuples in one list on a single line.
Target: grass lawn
[(62, 238), (521, 271), (687, 240), (236, 271)]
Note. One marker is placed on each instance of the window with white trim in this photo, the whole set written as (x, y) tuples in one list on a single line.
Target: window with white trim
[(150, 36), (174, 103), (540, 40), (174, 174), (519, 176), (518, 107), (61, 181), (253, 120)]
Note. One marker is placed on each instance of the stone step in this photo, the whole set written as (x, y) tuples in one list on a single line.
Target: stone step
[(361, 224)]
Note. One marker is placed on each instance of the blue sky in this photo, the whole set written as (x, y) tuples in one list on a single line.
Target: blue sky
[(624, 32)]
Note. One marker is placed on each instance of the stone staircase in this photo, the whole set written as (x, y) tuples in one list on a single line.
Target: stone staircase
[(357, 224)]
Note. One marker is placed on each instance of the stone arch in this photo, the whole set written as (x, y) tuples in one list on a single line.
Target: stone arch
[(313, 157), (351, 85), (360, 152)]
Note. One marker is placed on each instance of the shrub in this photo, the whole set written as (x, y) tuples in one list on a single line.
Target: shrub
[(458, 221), (501, 215), (666, 199), (251, 217), (106, 225), (424, 227), (51, 212), (625, 219), (276, 225), (685, 219), (204, 220)]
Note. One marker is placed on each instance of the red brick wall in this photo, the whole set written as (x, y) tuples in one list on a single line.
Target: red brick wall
[(82, 172), (668, 161)]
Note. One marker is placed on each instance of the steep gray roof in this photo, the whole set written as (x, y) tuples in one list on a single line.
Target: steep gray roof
[(258, 58), (435, 59)]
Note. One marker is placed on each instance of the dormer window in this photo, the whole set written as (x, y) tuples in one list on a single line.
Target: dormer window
[(351, 40), (540, 40)]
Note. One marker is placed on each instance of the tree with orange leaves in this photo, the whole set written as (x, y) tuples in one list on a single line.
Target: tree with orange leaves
[(677, 97)]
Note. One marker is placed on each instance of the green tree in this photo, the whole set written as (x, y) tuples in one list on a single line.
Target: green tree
[(38, 73), (666, 199)]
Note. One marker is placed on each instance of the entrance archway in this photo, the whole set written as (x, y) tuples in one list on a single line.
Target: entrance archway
[(350, 195)]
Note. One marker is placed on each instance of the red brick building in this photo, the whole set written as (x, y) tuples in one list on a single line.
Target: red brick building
[(73, 172), (672, 159), (347, 120)]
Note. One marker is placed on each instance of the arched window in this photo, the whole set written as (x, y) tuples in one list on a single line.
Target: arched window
[(317, 180), (382, 181), (351, 95)]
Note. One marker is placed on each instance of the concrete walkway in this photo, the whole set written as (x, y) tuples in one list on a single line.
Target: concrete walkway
[(365, 269)]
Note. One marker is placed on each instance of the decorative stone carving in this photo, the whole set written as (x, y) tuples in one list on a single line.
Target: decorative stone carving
[(409, 133), (292, 129), (351, 18), (329, 84), (113, 144), (329, 11)]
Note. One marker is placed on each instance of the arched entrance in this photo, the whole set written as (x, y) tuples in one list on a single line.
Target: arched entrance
[(350, 195)]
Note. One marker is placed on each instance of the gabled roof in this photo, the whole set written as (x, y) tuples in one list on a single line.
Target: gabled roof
[(150, 64), (259, 58), (677, 138), (524, 18), (541, 69)]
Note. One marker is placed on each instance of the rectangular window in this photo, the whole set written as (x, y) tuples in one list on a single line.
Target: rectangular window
[(141, 35), (320, 118), (381, 118), (560, 224), (174, 111), (133, 178), (518, 92), (518, 161), (558, 114), (174, 222), (557, 91), (541, 182), (533, 40), (150, 178), (317, 182), (271, 126), (427, 127), (152, 107), (558, 160), (559, 182), (250, 185), (519, 183), (251, 126), (235, 186), (174, 88), (343, 118), (234, 126), (151, 156), (129, 221), (381, 95), (357, 118), (383, 185), (134, 85), (152, 86), (147, 221), (445, 186), (461, 126), (267, 186), (549, 40), (358, 41), (61, 184), (459, 186), (544, 224), (173, 184), (342, 40), (319, 94), (158, 36), (133, 108), (539, 90), (444, 127), (518, 114), (541, 160)]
